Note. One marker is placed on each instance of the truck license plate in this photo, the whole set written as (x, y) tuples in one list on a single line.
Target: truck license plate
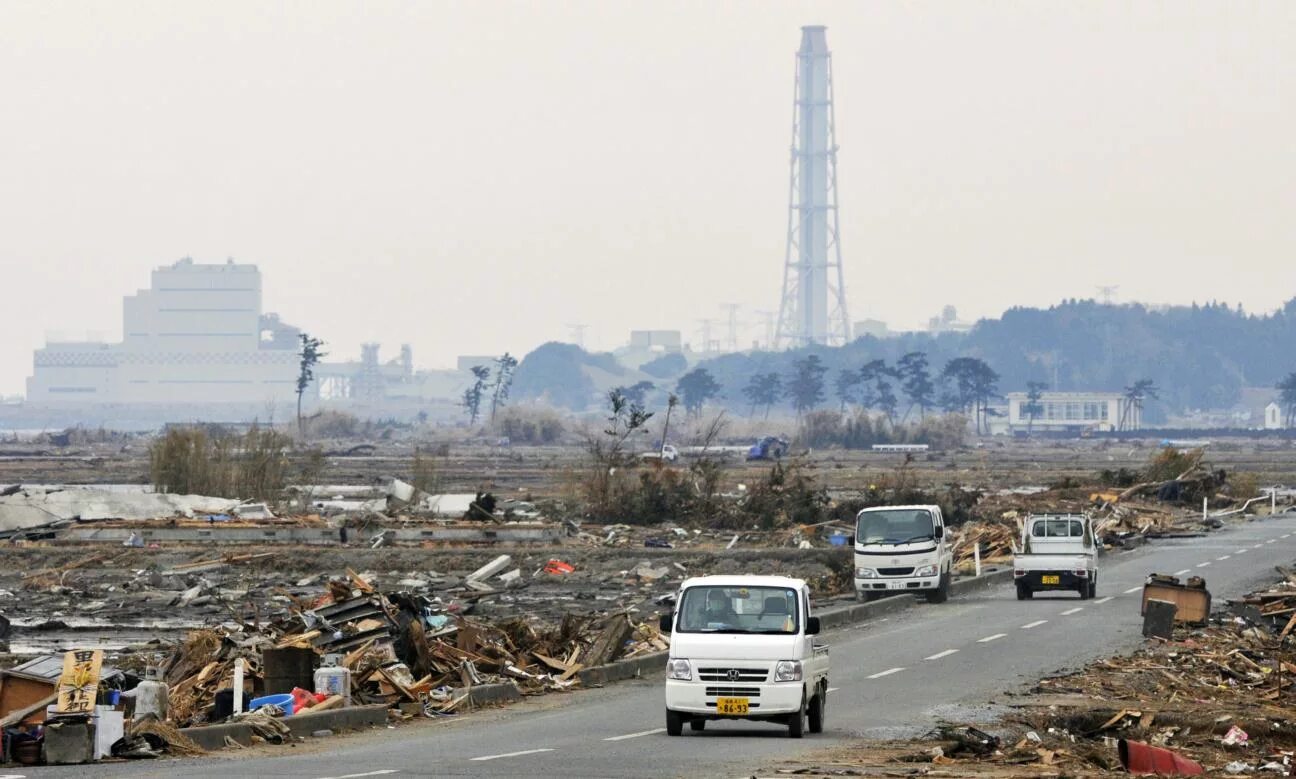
[(734, 706), (1049, 579), (896, 585)]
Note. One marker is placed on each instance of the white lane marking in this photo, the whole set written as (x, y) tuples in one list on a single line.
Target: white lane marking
[(988, 639), (833, 689), (1256, 546), (1069, 612), (1272, 540), (511, 754), (939, 655), (344, 776), (1286, 535), (641, 733), (1132, 590), (1203, 565), (1034, 624), (1181, 573), (887, 672), (1243, 550), (1221, 559), (1101, 601)]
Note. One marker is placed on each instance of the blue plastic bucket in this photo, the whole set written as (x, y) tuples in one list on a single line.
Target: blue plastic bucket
[(283, 701)]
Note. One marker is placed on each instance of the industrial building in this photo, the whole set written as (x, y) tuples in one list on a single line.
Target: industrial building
[(195, 336), (1073, 412)]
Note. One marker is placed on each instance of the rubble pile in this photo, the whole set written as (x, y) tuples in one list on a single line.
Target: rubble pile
[(408, 651)]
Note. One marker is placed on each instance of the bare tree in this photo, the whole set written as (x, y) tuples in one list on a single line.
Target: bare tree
[(310, 356)]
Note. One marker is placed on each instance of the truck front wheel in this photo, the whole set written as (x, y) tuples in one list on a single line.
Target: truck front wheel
[(817, 706), (796, 721), (674, 723), (941, 593)]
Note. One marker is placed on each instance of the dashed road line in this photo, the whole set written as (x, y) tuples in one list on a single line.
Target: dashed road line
[(1286, 535), (1203, 565), (640, 733), (833, 689), (357, 776), (1271, 541), (1181, 573), (988, 639), (511, 754), (1243, 550), (1257, 545), (1222, 559), (1034, 624), (1069, 612), (1132, 590), (939, 655), (887, 672), (1101, 601)]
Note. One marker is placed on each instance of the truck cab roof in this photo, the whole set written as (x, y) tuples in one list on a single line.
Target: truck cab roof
[(744, 581)]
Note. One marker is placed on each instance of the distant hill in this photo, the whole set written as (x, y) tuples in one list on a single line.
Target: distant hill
[(1201, 356)]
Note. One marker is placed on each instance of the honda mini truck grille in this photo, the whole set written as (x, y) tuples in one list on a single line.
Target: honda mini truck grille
[(733, 674)]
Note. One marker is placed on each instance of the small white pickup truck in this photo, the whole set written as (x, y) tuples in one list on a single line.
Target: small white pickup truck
[(668, 454), (902, 549), (743, 647), (1058, 552)]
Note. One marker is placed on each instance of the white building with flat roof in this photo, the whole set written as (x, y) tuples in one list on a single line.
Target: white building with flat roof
[(1073, 411), (196, 335)]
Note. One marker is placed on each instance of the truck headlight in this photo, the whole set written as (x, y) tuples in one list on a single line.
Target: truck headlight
[(865, 573), (679, 669), (787, 671), (926, 570)]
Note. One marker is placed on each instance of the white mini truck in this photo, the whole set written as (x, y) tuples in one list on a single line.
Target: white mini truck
[(902, 549), (743, 647), (1058, 552)]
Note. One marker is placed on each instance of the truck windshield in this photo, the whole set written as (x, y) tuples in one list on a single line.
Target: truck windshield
[(894, 527), (712, 609)]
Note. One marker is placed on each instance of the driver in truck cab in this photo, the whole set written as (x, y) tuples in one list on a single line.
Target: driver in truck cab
[(718, 608)]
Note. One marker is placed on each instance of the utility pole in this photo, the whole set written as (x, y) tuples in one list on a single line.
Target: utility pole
[(767, 323)]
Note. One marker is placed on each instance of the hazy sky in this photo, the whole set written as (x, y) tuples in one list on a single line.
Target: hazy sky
[(474, 177)]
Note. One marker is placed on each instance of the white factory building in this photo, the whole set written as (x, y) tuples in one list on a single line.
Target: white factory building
[(196, 335), (1073, 412)]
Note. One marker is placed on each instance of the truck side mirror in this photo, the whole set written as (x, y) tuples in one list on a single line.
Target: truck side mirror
[(940, 531), (851, 539), (812, 626), (664, 622)]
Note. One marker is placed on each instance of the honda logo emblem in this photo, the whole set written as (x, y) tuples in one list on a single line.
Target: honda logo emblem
[(733, 674)]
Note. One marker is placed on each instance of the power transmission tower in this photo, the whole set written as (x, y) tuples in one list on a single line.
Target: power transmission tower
[(813, 308), (578, 334), (732, 340), (1108, 293), (708, 344)]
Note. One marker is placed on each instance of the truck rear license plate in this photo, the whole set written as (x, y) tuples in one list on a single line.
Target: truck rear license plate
[(734, 706), (1049, 579)]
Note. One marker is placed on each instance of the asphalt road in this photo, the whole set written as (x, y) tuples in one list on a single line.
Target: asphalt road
[(890, 677)]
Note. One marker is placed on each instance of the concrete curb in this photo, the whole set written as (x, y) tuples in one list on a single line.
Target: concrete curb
[(483, 694), (212, 737), (636, 667)]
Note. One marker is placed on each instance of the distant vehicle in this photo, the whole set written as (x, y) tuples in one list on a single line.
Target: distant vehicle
[(768, 448), (668, 454), (743, 647), (914, 448), (1058, 552), (902, 549)]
